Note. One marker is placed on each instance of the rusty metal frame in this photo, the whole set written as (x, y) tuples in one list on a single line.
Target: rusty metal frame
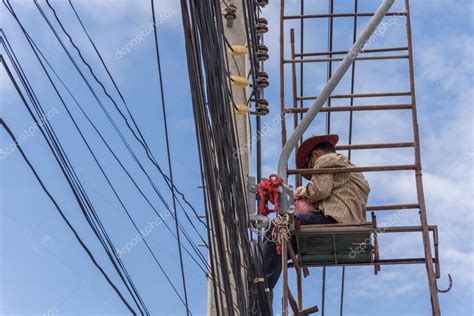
[(297, 109), (335, 229), (338, 15)]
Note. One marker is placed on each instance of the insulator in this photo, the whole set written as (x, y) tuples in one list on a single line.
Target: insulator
[(230, 14), (262, 53), (262, 107), (262, 3), (262, 26), (262, 79)]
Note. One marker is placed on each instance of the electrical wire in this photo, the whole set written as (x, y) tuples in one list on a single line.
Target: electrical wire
[(165, 121), (71, 177), (109, 116), (215, 121), (141, 141), (61, 213), (140, 137), (113, 189), (34, 47)]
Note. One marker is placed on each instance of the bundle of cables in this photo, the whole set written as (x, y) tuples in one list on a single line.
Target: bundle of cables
[(230, 250)]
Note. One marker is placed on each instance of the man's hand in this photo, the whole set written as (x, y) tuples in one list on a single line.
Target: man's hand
[(299, 192)]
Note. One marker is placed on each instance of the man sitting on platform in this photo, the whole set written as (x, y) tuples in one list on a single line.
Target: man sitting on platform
[(328, 199)]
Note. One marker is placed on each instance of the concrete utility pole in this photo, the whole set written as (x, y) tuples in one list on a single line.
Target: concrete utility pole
[(234, 30)]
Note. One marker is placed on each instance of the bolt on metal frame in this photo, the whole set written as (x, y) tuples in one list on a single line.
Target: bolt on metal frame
[(298, 111)]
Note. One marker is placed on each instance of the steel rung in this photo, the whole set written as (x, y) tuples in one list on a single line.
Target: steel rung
[(339, 15), (360, 95)]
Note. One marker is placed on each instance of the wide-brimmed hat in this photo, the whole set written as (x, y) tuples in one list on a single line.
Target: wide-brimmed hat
[(305, 149)]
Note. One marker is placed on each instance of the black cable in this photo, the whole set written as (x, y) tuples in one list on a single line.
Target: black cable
[(194, 247), (109, 116), (142, 142), (76, 186), (95, 128), (61, 213), (193, 56), (115, 193), (196, 83), (80, 195), (341, 306), (170, 167), (215, 121), (165, 121), (140, 139), (63, 163)]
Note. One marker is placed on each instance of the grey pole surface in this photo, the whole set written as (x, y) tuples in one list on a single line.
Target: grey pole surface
[(329, 87)]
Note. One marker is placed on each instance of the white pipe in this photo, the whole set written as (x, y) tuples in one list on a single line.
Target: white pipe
[(329, 88)]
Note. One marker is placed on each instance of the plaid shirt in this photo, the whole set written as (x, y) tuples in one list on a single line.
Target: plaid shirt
[(342, 196)]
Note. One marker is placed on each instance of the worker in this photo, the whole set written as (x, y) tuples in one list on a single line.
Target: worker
[(332, 197)]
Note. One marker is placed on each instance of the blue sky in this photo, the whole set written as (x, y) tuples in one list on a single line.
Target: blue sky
[(43, 269)]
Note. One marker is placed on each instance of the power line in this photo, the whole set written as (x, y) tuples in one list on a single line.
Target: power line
[(76, 188), (113, 188), (116, 192), (34, 47), (109, 117), (165, 121), (61, 213), (170, 180), (215, 121), (85, 204), (141, 139)]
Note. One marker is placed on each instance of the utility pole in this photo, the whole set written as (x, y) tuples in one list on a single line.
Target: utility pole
[(235, 32)]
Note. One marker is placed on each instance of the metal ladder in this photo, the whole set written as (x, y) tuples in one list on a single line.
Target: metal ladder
[(297, 110)]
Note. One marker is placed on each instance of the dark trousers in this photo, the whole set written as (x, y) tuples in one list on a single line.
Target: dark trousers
[(272, 260)]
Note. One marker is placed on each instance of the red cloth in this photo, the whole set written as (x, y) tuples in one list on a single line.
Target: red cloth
[(301, 206)]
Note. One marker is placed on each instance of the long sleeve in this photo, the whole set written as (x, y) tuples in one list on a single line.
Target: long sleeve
[(318, 189), (342, 195), (321, 185)]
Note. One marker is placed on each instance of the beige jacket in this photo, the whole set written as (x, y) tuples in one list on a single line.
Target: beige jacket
[(342, 196)]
